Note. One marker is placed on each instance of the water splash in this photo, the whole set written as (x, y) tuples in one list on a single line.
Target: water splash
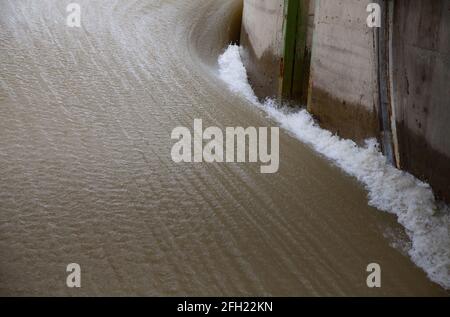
[(426, 222)]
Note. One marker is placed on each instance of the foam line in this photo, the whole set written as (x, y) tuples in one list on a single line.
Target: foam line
[(426, 222)]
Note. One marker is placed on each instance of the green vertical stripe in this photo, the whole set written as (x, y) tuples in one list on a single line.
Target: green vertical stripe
[(290, 41), (296, 57)]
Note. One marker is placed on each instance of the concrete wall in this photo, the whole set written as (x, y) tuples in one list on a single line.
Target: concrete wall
[(421, 82), (262, 40), (276, 38), (343, 88), (391, 83), (323, 55), (302, 63)]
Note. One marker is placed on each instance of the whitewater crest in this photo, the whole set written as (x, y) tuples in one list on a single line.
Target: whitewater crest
[(426, 222)]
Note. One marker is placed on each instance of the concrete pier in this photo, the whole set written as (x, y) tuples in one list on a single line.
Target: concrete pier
[(262, 40), (276, 40), (421, 89), (389, 83), (343, 94)]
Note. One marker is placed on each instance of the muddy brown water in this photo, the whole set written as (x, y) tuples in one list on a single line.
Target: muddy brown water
[(86, 174)]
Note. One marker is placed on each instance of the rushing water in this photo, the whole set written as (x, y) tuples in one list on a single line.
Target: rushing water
[(86, 174)]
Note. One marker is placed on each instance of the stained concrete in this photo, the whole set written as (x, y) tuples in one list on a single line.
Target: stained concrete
[(262, 42), (343, 82), (300, 86), (348, 120), (421, 53), (343, 88)]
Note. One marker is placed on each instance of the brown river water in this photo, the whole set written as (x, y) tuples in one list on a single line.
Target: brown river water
[(86, 174)]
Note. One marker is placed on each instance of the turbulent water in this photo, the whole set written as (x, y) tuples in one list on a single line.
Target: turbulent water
[(427, 222), (86, 174)]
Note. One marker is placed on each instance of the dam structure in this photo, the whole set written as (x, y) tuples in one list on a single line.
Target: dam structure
[(388, 82), (89, 182)]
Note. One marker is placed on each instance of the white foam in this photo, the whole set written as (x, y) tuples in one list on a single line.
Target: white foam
[(389, 189)]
